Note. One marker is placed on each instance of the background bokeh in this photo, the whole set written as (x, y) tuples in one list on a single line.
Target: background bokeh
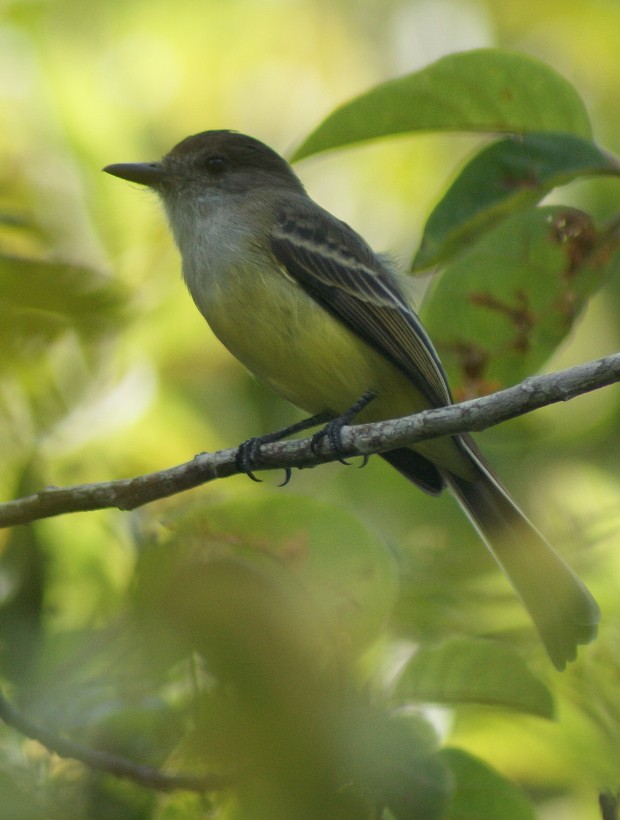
[(141, 384)]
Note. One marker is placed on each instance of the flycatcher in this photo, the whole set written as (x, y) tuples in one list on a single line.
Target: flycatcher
[(305, 304)]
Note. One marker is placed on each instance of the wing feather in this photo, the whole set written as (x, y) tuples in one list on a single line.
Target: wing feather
[(338, 269)]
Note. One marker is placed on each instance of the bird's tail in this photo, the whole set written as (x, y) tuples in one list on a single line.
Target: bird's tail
[(562, 609)]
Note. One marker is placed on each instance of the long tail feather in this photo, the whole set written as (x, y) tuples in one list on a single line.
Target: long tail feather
[(562, 609), (564, 612)]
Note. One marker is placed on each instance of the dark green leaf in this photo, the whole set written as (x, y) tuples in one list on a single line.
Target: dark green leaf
[(316, 549), (481, 90), (507, 176), (396, 761), (481, 792), (499, 311), (475, 671)]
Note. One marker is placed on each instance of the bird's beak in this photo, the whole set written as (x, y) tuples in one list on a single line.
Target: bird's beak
[(144, 173)]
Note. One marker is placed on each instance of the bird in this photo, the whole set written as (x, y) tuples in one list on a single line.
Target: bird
[(300, 299)]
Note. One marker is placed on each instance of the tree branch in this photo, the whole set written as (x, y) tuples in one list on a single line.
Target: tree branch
[(106, 762), (363, 439)]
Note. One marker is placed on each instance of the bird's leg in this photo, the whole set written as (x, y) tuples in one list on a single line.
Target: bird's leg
[(333, 429), (249, 451)]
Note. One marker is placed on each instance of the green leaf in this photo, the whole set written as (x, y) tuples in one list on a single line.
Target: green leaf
[(278, 596), (499, 311), (314, 548), (40, 301), (20, 795), (507, 176), (462, 670), (56, 322), (481, 793), (481, 90), (395, 759)]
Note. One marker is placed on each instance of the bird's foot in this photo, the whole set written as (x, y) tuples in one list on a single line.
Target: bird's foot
[(248, 454), (333, 429)]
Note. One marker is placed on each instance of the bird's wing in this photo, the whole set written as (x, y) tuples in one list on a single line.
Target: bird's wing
[(337, 268)]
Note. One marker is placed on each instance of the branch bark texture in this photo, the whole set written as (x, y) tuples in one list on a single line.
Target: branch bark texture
[(364, 439)]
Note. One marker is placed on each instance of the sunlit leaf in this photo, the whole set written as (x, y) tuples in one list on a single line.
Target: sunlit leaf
[(507, 176), (481, 90), (474, 671), (41, 300), (499, 311), (480, 792), (56, 323)]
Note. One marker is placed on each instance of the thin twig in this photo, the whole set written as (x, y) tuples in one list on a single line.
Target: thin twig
[(363, 439), (109, 763)]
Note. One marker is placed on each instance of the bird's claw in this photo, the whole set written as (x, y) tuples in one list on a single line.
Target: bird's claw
[(333, 429), (247, 457), (333, 433)]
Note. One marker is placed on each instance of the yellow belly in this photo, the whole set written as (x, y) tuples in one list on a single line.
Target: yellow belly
[(305, 354), (309, 357)]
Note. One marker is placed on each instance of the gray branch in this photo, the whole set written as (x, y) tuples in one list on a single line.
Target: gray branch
[(363, 439)]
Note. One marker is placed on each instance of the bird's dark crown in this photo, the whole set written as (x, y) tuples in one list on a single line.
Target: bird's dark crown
[(227, 150)]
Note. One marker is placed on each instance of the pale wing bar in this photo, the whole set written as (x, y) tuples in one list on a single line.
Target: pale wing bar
[(338, 269)]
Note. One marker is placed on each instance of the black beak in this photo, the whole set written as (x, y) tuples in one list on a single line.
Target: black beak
[(144, 173)]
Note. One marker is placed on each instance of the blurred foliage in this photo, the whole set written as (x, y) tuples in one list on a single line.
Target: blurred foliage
[(295, 635)]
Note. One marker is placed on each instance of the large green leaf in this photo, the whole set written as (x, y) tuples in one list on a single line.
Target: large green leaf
[(315, 548), (56, 321), (481, 793), (462, 670), (402, 767), (279, 595), (499, 311), (41, 300), (481, 90), (504, 177)]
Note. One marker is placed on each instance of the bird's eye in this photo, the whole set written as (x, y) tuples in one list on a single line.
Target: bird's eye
[(216, 164)]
